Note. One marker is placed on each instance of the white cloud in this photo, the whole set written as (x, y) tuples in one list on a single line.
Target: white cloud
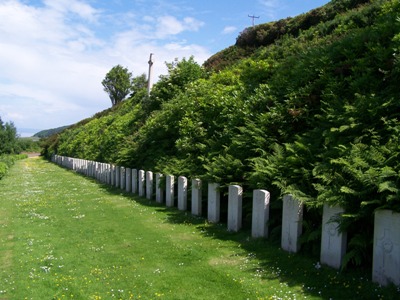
[(169, 25), (192, 24), (272, 7), (53, 59), (81, 9), (229, 29), (270, 3)]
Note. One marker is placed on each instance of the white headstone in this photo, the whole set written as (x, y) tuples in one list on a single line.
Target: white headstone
[(98, 172), (112, 175), (117, 176), (169, 191), (292, 218), (235, 196), (105, 173), (196, 197), (95, 170), (108, 174), (149, 185), (92, 169), (134, 181), (214, 206), (182, 193), (100, 178), (122, 179), (159, 190), (141, 183), (86, 167), (89, 168), (386, 257), (333, 242), (260, 215), (128, 179)]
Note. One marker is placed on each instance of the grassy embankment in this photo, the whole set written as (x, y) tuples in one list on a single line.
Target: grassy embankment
[(65, 236)]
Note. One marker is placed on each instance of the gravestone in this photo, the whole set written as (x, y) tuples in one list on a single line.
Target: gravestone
[(98, 171), (122, 179), (100, 174), (77, 161), (292, 218), (117, 176), (333, 242), (141, 183), (235, 196), (214, 203), (182, 193), (386, 257), (159, 190), (105, 173), (112, 175), (169, 191), (92, 169), (95, 170), (149, 185), (85, 166), (196, 197), (134, 181), (100, 177), (89, 166), (260, 215), (128, 179), (108, 174)]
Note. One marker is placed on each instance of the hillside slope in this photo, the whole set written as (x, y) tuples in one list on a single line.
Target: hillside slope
[(314, 114), (49, 132), (266, 34)]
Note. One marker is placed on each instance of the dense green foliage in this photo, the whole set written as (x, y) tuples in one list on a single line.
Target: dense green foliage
[(266, 34), (11, 143), (117, 84), (314, 113), (28, 144), (7, 160), (8, 138)]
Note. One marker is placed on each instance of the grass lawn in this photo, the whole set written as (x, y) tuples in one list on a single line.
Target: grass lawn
[(64, 236)]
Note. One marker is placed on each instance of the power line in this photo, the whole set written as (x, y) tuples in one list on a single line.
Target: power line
[(253, 17)]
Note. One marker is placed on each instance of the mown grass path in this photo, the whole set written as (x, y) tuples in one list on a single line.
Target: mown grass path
[(63, 236)]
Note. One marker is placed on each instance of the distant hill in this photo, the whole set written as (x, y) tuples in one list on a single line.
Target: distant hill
[(49, 132)]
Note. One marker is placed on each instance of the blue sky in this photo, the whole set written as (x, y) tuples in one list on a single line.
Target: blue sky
[(55, 53)]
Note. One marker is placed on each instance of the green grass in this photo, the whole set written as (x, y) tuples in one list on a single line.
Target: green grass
[(63, 236)]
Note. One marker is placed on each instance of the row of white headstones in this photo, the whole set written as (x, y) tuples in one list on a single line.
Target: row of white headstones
[(386, 249)]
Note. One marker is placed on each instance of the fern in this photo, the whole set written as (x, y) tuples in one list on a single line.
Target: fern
[(357, 250)]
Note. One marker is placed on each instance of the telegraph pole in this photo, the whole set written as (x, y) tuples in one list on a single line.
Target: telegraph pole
[(149, 83), (253, 17)]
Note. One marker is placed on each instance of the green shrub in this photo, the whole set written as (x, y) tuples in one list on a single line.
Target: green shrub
[(3, 169), (7, 160)]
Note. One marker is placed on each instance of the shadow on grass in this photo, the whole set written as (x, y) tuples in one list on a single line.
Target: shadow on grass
[(294, 270)]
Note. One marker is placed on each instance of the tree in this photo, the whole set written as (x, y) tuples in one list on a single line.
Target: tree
[(139, 84), (117, 84), (180, 74), (8, 138)]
